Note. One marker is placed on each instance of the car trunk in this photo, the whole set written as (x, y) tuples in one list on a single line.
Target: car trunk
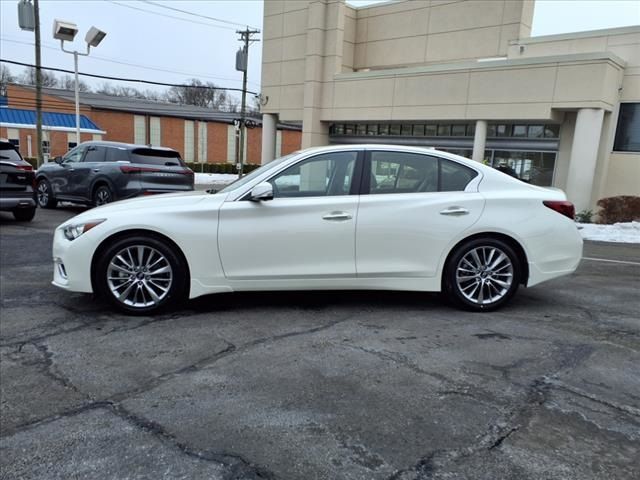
[(14, 179), (160, 171)]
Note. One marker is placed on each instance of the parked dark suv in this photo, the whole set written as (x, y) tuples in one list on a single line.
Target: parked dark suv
[(96, 173), (16, 183)]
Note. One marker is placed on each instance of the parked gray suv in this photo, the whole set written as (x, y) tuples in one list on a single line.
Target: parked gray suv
[(96, 173)]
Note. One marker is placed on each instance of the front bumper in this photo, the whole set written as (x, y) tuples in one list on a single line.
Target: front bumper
[(72, 262)]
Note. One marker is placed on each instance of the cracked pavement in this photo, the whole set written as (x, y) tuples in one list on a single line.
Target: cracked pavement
[(329, 385)]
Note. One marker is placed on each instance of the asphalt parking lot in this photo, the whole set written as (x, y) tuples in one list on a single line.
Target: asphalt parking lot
[(319, 385)]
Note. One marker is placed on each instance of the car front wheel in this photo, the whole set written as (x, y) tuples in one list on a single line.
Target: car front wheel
[(141, 275), (482, 274)]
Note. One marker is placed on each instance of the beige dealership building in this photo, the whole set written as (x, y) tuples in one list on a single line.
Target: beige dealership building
[(463, 76)]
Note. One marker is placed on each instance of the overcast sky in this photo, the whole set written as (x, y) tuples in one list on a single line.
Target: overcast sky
[(171, 50)]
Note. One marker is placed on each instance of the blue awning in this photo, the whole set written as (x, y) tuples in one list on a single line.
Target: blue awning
[(17, 118)]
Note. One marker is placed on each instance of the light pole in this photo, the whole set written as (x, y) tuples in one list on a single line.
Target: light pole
[(67, 31)]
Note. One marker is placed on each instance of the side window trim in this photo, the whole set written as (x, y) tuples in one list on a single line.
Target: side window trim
[(365, 182)]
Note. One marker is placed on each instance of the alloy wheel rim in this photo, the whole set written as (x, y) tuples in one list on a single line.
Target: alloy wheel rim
[(484, 275), (43, 193), (139, 276), (102, 197)]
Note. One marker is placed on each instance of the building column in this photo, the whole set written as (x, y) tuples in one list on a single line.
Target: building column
[(479, 141), (584, 157), (269, 132)]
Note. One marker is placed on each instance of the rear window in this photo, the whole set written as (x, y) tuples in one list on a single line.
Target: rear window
[(150, 156), (8, 153)]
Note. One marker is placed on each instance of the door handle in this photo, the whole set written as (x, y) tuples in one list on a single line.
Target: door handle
[(337, 216), (96, 170), (72, 169), (454, 211)]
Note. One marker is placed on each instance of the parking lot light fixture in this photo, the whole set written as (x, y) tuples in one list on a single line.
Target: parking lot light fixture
[(67, 31)]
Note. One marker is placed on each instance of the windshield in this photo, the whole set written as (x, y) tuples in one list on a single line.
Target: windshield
[(256, 173)]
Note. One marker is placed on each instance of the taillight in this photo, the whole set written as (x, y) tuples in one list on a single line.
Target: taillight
[(27, 168), (562, 206), (128, 169)]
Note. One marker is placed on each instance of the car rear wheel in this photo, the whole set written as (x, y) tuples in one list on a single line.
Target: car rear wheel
[(482, 274), (45, 194), (141, 275), (102, 195), (24, 214)]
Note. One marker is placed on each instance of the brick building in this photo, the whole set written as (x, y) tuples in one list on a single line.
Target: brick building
[(199, 134)]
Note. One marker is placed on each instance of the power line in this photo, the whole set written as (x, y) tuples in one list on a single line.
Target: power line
[(144, 67), (195, 14), (133, 80), (170, 16)]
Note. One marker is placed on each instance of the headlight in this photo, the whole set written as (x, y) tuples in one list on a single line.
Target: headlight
[(71, 232)]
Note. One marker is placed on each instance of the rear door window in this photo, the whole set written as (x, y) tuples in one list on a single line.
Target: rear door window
[(150, 156), (454, 177)]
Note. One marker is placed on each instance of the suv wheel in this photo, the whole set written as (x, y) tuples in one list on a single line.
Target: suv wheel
[(24, 214), (140, 275), (102, 195), (45, 194), (482, 274)]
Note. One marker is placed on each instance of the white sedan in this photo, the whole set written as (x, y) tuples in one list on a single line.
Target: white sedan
[(329, 218)]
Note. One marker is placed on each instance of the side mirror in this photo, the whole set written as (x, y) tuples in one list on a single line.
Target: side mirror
[(261, 192), (58, 160)]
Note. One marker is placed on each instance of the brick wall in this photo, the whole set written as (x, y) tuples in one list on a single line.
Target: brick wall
[(172, 133), (118, 125), (216, 142), (291, 141)]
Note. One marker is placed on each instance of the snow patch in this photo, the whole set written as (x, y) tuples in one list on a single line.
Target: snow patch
[(628, 232), (214, 178)]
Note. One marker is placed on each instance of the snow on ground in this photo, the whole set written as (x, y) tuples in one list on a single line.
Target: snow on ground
[(628, 232), (214, 178)]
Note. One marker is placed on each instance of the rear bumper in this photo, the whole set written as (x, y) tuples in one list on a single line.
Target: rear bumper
[(12, 203), (556, 255)]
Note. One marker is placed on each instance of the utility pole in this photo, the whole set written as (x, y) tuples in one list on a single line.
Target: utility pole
[(242, 63), (36, 8), (29, 20)]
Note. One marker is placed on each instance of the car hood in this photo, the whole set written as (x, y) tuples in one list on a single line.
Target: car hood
[(138, 207)]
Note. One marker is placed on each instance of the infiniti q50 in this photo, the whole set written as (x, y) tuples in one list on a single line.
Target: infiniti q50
[(341, 217)]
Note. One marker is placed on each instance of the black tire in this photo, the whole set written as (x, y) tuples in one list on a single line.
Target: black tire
[(44, 194), (475, 282), (110, 278), (102, 195), (24, 214)]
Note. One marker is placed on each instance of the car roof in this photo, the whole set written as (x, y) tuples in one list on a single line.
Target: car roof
[(128, 146)]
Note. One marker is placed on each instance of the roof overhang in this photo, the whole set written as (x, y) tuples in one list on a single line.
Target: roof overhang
[(52, 129)]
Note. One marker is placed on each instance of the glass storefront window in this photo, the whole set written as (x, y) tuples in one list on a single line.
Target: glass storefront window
[(519, 130), (430, 130), (532, 167), (361, 129), (372, 129), (349, 129), (503, 130), (551, 131), (628, 129), (395, 129), (458, 130), (444, 130), (405, 130), (338, 129), (471, 130), (491, 130), (418, 130), (383, 129), (536, 131)]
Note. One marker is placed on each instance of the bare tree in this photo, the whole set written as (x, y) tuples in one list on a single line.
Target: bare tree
[(231, 104), (6, 77), (68, 82), (197, 93), (28, 77)]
